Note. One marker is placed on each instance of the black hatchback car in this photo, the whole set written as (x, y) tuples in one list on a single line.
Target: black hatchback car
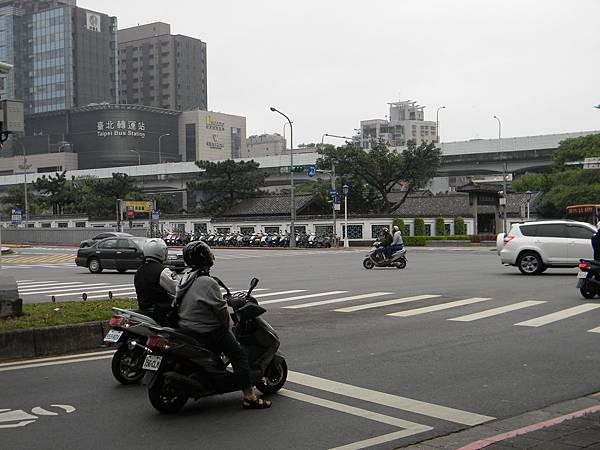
[(99, 237), (121, 254)]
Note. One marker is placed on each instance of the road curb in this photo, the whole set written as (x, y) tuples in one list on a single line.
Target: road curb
[(51, 341)]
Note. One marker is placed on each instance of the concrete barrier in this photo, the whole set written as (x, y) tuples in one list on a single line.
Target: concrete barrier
[(59, 340)]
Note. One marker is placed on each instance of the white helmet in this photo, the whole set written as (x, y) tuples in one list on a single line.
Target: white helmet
[(156, 249)]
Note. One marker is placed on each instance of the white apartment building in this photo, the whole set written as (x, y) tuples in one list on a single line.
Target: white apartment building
[(265, 145), (212, 136), (406, 121)]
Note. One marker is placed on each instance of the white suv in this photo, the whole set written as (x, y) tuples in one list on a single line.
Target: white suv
[(535, 246)]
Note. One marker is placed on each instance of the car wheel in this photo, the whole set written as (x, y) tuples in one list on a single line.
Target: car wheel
[(530, 263), (94, 265)]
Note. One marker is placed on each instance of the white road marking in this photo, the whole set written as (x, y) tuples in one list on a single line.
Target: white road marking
[(54, 363), (392, 401), (68, 408), (57, 358), (428, 309), (559, 315), (594, 330), (23, 281), (49, 289), (36, 283), (339, 300), (116, 288), (117, 294), (411, 428), (497, 311), (43, 412), (386, 303), (301, 297), (270, 294)]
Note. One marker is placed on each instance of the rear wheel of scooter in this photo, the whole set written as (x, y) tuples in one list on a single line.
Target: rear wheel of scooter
[(165, 398), (127, 365), (401, 264), (274, 378), (368, 263), (587, 290)]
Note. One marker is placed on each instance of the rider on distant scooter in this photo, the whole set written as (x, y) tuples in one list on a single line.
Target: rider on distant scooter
[(397, 242)]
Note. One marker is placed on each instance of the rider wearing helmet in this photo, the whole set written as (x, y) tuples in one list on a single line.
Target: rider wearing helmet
[(155, 284), (203, 312)]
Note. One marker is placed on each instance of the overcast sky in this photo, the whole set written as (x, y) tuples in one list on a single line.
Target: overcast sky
[(329, 64)]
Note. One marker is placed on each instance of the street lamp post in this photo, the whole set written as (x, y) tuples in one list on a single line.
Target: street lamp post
[(332, 176), (159, 153), (503, 174), (25, 167), (138, 155), (346, 188), (292, 199), (437, 123), (529, 194)]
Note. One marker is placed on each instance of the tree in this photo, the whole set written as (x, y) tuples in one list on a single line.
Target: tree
[(381, 170), (576, 149), (56, 192), (15, 198), (224, 183), (440, 227), (459, 226)]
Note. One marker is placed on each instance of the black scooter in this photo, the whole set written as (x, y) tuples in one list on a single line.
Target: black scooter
[(128, 330), (588, 278), (376, 258), (180, 368)]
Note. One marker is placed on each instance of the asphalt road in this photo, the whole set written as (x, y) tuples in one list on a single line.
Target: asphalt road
[(382, 358)]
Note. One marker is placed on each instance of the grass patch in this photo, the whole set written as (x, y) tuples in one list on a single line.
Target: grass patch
[(49, 314)]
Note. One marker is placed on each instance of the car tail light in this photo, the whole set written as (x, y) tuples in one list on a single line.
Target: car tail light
[(157, 342), (584, 266), (507, 239)]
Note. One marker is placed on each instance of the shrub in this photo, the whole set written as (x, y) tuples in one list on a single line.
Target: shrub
[(459, 226), (415, 241), (419, 227), (399, 223), (440, 229)]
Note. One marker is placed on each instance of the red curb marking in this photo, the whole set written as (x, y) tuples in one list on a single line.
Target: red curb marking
[(536, 426)]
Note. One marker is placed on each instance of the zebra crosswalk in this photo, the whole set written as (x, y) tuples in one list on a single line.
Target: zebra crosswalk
[(529, 313)]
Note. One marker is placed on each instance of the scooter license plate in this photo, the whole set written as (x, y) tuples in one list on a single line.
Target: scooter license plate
[(113, 336), (152, 362), (582, 274)]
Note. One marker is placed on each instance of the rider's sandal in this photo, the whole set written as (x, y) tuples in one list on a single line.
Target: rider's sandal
[(258, 403)]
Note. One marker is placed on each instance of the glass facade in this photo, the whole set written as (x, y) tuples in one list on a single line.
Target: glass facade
[(10, 46), (50, 62), (190, 142)]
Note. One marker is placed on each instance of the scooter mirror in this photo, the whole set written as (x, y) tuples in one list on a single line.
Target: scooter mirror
[(253, 284)]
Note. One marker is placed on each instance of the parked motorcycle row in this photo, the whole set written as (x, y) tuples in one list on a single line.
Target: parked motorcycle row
[(260, 240), (176, 367)]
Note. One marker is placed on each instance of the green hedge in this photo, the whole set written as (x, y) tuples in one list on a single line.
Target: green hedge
[(459, 226), (419, 227), (448, 238), (399, 223), (415, 241), (440, 228)]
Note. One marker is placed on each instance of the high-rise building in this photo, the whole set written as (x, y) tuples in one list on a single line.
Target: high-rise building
[(265, 145), (162, 70), (406, 122), (63, 55)]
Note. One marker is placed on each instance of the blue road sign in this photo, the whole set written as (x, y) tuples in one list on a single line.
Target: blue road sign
[(336, 199), (312, 171), (155, 215), (16, 216), (333, 192)]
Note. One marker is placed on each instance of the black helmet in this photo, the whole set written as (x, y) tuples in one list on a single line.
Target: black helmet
[(197, 254)]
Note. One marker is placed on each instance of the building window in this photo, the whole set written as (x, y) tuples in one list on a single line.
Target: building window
[(200, 228), (250, 230), (79, 224), (223, 230), (46, 225), (427, 229), (190, 142), (321, 230), (376, 230), (354, 231), (236, 142), (63, 224), (272, 230), (300, 228)]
